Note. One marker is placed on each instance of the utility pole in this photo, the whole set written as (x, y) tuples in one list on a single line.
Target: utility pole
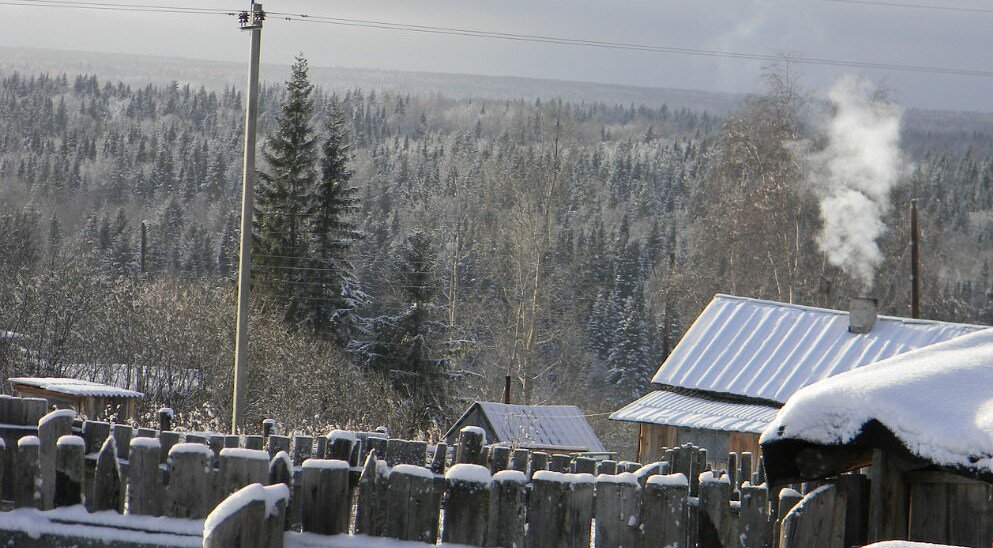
[(252, 22), (915, 263), (144, 246)]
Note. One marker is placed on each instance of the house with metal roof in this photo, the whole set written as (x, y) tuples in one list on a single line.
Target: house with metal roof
[(92, 399), (743, 358), (549, 428)]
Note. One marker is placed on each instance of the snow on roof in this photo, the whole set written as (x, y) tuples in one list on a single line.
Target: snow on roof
[(936, 401), (769, 350), (76, 387), (537, 426), (146, 379), (665, 407)]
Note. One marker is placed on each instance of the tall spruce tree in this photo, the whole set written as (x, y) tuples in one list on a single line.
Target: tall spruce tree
[(280, 240), (334, 291), (408, 345)]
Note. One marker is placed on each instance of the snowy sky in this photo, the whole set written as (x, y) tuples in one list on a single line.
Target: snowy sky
[(836, 29)]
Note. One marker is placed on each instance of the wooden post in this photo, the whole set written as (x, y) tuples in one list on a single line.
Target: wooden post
[(889, 498), (107, 488), (539, 462), (27, 473), (578, 505), (165, 419), (216, 443), (122, 439), (281, 472), (471, 441), (606, 467), (617, 510), (377, 445), (818, 521), (326, 507), (303, 448), (94, 434), (855, 490), (233, 441), (411, 511), (268, 426), (370, 513), (508, 503), (585, 465), (340, 445), (167, 439), (277, 444), (144, 491), (499, 457), (250, 518), (405, 452), (788, 498), (51, 427), (714, 525), (467, 509), (519, 461), (255, 442), (561, 464), (754, 525), (70, 452), (546, 509), (664, 511), (201, 439), (190, 490), (439, 463), (241, 467)]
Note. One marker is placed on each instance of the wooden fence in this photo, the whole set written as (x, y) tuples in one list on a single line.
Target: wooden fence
[(257, 490)]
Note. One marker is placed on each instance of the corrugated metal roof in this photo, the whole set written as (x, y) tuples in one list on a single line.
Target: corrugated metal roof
[(664, 407), (76, 387), (530, 426), (769, 350)]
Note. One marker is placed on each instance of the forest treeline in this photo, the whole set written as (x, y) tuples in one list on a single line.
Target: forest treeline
[(566, 245)]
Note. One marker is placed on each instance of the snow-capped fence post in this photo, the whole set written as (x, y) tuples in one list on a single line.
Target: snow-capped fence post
[(250, 518), (788, 498), (499, 458), (376, 444), (467, 504), (144, 490), (303, 448), (241, 467), (617, 508), (439, 462), (606, 467), (745, 469), (191, 486), (255, 442), (585, 465), (325, 504), (107, 492), (216, 443), (370, 513), (278, 443), (539, 462), (664, 511), (519, 461), (69, 462), (411, 507), (470, 449), (165, 419), (51, 427), (819, 520), (146, 433), (732, 472), (320, 448), (578, 509), (545, 508), (27, 473), (268, 425), (715, 524), (281, 472), (340, 444), (232, 441), (754, 527), (508, 505), (32, 410), (196, 438), (561, 464), (94, 434)]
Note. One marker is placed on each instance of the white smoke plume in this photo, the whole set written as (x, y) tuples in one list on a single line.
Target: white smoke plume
[(853, 176)]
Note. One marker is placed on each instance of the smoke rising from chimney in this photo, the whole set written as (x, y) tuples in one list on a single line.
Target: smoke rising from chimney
[(853, 176)]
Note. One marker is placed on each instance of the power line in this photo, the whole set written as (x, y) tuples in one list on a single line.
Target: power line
[(910, 6), (537, 38), (103, 6)]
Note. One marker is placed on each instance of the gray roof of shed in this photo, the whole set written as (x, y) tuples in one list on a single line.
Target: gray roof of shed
[(767, 350), (670, 408), (537, 426), (76, 387)]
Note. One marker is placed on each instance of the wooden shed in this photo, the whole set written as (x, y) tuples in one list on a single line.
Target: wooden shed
[(91, 399), (549, 428), (921, 423), (743, 358)]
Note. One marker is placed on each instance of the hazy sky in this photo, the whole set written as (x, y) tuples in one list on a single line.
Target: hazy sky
[(811, 28)]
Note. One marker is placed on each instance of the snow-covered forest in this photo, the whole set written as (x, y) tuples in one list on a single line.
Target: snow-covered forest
[(564, 244)]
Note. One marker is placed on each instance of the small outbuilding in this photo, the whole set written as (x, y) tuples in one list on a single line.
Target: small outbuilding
[(88, 398), (922, 422), (549, 428), (743, 358)]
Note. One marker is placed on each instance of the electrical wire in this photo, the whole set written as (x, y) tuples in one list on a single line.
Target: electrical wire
[(962, 9), (536, 38)]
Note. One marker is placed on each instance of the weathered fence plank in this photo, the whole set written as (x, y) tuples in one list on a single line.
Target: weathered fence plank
[(508, 505), (818, 520), (250, 518), (467, 507), (471, 442), (370, 514), (27, 473), (546, 523), (411, 509), (617, 510), (51, 427), (754, 527), (325, 502), (190, 490), (664, 511), (144, 490), (715, 526), (240, 467)]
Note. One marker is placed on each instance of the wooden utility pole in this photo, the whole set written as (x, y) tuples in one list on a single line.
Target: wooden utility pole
[(915, 263), (252, 22), (144, 245)]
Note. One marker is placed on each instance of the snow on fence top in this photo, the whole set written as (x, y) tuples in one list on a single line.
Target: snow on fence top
[(769, 350), (935, 400), (76, 387)]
